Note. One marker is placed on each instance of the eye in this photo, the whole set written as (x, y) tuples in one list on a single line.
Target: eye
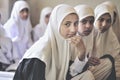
[(109, 21), (101, 19), (91, 21), (67, 24), (83, 21), (76, 23)]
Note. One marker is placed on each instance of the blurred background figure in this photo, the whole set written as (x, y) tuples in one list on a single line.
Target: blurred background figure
[(8, 53), (19, 28), (40, 28)]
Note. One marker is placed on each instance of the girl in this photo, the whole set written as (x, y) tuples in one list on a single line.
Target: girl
[(49, 57), (18, 27)]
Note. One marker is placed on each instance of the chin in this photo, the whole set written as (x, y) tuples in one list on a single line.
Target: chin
[(86, 34)]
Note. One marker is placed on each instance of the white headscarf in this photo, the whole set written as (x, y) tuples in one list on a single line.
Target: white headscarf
[(15, 27), (52, 48), (116, 25), (100, 10), (116, 29), (40, 28), (84, 11), (19, 30), (105, 43)]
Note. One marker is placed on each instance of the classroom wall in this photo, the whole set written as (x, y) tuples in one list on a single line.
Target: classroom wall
[(5, 9), (37, 5)]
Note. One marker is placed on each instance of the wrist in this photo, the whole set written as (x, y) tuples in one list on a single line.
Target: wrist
[(81, 57)]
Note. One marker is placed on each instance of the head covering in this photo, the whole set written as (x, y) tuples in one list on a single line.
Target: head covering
[(40, 28), (105, 43), (116, 29), (100, 10), (17, 29), (44, 12), (52, 48), (116, 24), (84, 11), (15, 24)]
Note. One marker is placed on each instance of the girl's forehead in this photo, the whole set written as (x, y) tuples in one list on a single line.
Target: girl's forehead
[(105, 15)]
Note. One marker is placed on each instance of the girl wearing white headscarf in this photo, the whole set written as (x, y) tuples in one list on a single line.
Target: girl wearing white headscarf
[(116, 21), (105, 44), (8, 53), (19, 29), (48, 58), (40, 28), (116, 29), (85, 11)]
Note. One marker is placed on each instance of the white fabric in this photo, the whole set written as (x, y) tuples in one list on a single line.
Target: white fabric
[(104, 43), (116, 25), (52, 48), (116, 29), (84, 11), (40, 28), (77, 66), (19, 30), (6, 75), (100, 10), (87, 75), (8, 52)]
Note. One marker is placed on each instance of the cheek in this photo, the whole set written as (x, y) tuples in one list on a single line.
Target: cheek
[(80, 28), (108, 25), (98, 24), (63, 31)]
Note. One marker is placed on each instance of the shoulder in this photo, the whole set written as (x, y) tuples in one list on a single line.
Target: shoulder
[(9, 24)]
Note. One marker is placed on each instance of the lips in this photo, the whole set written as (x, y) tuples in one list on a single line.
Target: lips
[(87, 31), (71, 35)]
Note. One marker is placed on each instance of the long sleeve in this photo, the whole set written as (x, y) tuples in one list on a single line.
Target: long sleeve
[(77, 66), (30, 69)]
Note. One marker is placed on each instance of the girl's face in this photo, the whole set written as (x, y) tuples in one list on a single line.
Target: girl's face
[(85, 26), (104, 22), (47, 18), (69, 26), (24, 13)]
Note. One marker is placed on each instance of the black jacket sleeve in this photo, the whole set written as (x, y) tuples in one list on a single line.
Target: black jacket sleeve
[(30, 69)]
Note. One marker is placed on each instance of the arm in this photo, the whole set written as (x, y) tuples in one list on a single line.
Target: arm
[(77, 66), (30, 69)]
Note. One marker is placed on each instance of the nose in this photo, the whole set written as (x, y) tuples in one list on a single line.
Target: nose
[(73, 29), (104, 23), (88, 25), (25, 13)]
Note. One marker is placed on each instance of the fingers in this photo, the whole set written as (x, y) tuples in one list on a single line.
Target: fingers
[(76, 41), (94, 61)]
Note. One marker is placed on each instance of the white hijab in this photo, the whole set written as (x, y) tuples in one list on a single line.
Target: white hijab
[(52, 48), (84, 11), (44, 12), (16, 28), (104, 43), (40, 28), (116, 25)]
